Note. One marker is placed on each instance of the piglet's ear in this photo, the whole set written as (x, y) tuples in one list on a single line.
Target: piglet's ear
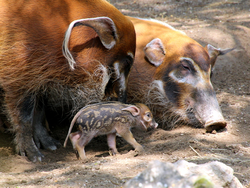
[(155, 52), (133, 110), (215, 52), (103, 26)]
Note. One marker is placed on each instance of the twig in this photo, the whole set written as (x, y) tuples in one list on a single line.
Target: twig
[(195, 151), (114, 182), (238, 173)]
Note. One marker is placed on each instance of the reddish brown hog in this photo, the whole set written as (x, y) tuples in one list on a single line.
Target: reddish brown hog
[(59, 53), (171, 74), (109, 119)]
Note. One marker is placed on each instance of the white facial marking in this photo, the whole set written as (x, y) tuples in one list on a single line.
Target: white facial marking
[(143, 124), (120, 75), (117, 68), (201, 75), (130, 54), (159, 83)]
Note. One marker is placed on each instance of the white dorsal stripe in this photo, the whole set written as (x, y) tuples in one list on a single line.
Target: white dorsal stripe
[(162, 23)]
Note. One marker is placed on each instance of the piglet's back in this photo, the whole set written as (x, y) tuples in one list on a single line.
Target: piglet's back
[(100, 115), (103, 114)]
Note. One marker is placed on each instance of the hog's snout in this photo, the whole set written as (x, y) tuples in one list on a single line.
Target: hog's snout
[(215, 125)]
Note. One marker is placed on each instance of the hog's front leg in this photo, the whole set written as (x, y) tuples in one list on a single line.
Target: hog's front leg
[(111, 138), (41, 135), (22, 119), (128, 136)]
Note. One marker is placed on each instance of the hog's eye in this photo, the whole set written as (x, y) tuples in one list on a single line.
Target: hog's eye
[(185, 65)]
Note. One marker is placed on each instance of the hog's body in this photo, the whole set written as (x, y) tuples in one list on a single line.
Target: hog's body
[(109, 119), (35, 74), (171, 74)]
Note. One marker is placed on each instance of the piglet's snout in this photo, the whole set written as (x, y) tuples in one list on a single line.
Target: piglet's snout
[(152, 126)]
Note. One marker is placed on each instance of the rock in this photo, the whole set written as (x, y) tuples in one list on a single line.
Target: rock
[(183, 174)]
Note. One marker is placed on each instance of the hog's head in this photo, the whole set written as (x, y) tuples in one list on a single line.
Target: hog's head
[(172, 75), (107, 43)]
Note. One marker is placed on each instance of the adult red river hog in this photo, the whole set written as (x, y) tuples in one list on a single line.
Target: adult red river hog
[(59, 53), (171, 74)]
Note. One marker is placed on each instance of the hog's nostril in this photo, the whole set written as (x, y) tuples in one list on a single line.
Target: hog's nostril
[(215, 125)]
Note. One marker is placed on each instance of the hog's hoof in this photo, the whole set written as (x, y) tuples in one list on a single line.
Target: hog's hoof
[(32, 152), (210, 126), (36, 157), (47, 142), (43, 139)]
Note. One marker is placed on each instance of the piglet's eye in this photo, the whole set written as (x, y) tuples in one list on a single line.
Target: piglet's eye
[(148, 115)]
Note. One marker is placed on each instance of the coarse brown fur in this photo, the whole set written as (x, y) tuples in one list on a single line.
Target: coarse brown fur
[(33, 70)]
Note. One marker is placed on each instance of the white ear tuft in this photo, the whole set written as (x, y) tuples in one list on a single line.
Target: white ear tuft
[(103, 26), (215, 52)]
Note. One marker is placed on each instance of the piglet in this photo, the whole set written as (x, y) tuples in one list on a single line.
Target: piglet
[(111, 119)]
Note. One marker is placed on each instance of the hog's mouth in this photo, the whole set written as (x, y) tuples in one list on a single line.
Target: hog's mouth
[(215, 125), (193, 120)]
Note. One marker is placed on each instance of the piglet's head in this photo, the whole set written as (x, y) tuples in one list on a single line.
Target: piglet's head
[(143, 115)]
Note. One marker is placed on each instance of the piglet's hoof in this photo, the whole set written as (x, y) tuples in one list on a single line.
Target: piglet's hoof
[(113, 153), (139, 151)]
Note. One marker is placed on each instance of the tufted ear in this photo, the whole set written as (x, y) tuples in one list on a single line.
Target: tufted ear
[(133, 110), (103, 26), (155, 52), (215, 52)]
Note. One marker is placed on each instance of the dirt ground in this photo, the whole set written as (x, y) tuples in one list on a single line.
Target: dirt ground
[(222, 23)]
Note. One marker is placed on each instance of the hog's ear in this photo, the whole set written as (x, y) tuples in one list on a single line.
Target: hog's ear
[(133, 110), (103, 26), (215, 52), (155, 52)]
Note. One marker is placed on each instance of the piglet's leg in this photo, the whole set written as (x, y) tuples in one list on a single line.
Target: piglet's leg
[(128, 136), (79, 140), (74, 138), (111, 138)]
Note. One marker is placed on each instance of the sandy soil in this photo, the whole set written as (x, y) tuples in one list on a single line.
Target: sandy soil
[(222, 23)]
